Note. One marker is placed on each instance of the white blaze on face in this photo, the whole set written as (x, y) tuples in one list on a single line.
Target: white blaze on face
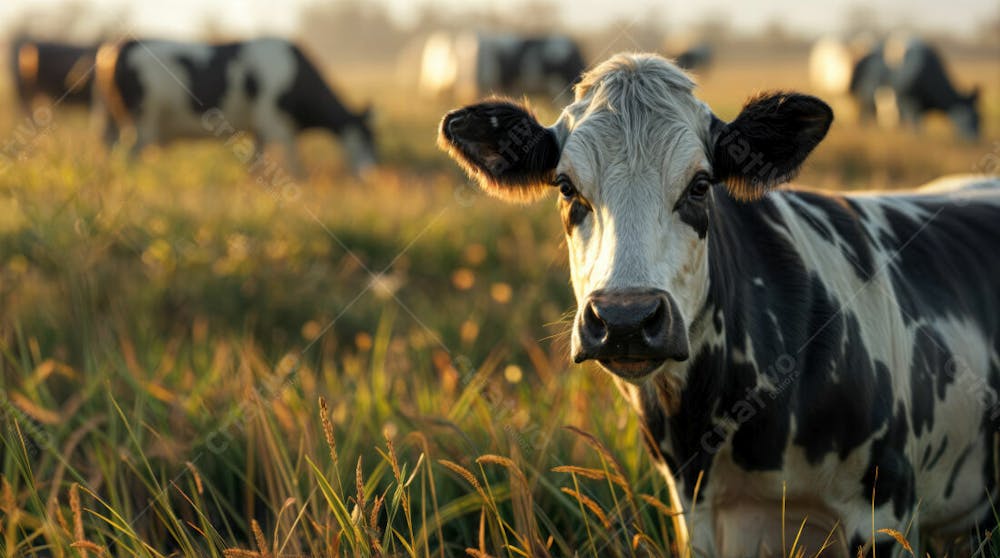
[(632, 148)]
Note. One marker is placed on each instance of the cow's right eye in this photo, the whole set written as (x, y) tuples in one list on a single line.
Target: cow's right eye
[(699, 187), (574, 207), (566, 188)]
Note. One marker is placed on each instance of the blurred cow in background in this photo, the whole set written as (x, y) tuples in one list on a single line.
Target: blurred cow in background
[(61, 72), (468, 66), (695, 58), (265, 90), (897, 80), (921, 84)]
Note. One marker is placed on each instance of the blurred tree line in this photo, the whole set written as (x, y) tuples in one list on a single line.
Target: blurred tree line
[(351, 32)]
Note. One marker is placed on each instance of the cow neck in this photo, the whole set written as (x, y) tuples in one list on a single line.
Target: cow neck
[(742, 238), (680, 416), (334, 117)]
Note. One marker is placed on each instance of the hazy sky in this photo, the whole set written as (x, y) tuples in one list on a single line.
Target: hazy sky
[(185, 17)]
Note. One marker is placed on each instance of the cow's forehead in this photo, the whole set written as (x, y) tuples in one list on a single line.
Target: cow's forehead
[(634, 108)]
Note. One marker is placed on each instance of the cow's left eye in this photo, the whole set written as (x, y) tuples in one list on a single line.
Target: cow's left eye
[(566, 188)]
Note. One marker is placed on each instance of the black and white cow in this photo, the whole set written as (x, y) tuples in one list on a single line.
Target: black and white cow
[(480, 64), (815, 357), (548, 64), (897, 80), (61, 72), (265, 87), (921, 83)]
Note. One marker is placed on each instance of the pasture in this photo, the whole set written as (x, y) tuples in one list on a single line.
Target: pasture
[(199, 358)]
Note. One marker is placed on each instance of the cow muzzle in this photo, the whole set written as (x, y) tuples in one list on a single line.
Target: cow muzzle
[(631, 332)]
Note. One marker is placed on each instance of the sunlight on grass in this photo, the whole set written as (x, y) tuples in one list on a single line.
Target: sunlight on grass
[(195, 362)]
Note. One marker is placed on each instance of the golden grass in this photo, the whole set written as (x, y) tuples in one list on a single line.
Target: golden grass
[(195, 362)]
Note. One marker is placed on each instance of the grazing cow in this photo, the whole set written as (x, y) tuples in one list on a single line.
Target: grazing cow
[(266, 88), (801, 357), (896, 80), (921, 83), (61, 72), (474, 65)]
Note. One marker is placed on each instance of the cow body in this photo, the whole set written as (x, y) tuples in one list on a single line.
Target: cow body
[(479, 64), (62, 72), (839, 341), (264, 88), (797, 357)]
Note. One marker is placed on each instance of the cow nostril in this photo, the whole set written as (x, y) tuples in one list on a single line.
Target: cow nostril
[(454, 123), (593, 326), (654, 324)]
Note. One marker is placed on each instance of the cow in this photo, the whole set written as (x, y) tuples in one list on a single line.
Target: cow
[(471, 65), (796, 357), (921, 84), (61, 72), (896, 80), (265, 88)]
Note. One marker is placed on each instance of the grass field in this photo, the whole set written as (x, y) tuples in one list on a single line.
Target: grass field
[(198, 361)]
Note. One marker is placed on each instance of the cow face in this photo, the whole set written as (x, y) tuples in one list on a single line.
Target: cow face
[(638, 163)]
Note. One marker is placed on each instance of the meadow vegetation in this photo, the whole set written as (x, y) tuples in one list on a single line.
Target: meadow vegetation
[(200, 361)]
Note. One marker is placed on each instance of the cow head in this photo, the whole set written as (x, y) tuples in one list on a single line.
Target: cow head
[(638, 163), (965, 115)]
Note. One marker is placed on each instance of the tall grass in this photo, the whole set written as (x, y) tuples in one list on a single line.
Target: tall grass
[(194, 362), (170, 329)]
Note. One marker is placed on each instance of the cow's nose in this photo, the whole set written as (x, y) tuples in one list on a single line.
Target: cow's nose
[(631, 331)]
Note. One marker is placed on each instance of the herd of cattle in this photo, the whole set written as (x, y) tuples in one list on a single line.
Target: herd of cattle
[(796, 357), (156, 91)]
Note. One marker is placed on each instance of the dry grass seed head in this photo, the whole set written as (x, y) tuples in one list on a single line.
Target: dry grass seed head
[(331, 442), (259, 539), (465, 474), (197, 478), (74, 505), (660, 506), (590, 504), (618, 477)]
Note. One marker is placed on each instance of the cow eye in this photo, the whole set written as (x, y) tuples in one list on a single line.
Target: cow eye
[(699, 187), (566, 188)]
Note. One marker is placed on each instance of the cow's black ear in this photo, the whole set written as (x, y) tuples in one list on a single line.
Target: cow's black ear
[(768, 142), (503, 148)]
